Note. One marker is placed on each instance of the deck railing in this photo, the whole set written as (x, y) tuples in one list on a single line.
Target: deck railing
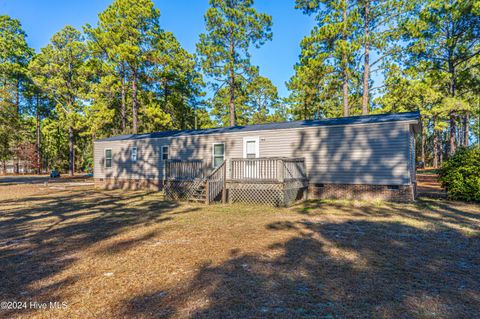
[(294, 169), (184, 170), (216, 184), (275, 169)]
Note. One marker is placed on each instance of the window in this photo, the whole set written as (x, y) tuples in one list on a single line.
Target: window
[(251, 147), (134, 154), (164, 153), (108, 158), (218, 154)]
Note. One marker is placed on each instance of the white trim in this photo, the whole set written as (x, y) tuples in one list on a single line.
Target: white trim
[(168, 151), (255, 139), (111, 158), (268, 130), (213, 152), (136, 154)]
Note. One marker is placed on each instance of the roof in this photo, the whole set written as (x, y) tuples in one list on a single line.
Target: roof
[(364, 119)]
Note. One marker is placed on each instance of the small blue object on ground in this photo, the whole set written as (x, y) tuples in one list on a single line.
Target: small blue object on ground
[(54, 174)]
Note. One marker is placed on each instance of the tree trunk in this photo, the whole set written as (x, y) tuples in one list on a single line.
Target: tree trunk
[(134, 104), (453, 126), (440, 154), (232, 85), (38, 147), (71, 154), (345, 62), (17, 98), (422, 132), (305, 111), (366, 64), (435, 148), (123, 109), (466, 120), (453, 130)]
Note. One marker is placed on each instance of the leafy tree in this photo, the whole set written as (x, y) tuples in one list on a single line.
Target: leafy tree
[(256, 102), (59, 70), (443, 38), (232, 28), (14, 57), (124, 37), (54, 143), (38, 107), (332, 46), (262, 97), (243, 111), (380, 34), (176, 83)]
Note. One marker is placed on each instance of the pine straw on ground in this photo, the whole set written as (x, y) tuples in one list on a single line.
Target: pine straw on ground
[(111, 254)]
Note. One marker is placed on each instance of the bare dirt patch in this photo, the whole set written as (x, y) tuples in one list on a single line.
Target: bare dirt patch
[(109, 254)]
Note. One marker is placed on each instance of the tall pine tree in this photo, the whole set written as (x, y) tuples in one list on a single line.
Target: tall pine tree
[(59, 70), (232, 28)]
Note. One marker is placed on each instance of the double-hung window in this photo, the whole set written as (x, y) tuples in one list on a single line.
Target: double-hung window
[(108, 158), (218, 154), (134, 154), (251, 149), (165, 152)]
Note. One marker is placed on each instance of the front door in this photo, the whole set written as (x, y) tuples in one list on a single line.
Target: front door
[(251, 150)]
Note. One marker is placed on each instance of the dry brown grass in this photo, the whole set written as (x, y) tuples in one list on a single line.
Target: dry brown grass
[(111, 254)]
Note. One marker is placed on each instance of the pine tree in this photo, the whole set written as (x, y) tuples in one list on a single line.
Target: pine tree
[(443, 38), (15, 55), (262, 98), (59, 70), (175, 81), (232, 28), (124, 37), (327, 60)]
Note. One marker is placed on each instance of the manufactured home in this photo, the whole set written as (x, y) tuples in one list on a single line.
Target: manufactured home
[(359, 157)]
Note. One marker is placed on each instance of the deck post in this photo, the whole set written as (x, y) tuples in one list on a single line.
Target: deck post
[(280, 176), (207, 195), (224, 190)]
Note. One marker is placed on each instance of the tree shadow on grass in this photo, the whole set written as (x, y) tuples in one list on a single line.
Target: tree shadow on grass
[(349, 269), (439, 212), (39, 237)]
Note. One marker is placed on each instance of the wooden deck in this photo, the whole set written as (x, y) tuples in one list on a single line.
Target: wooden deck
[(275, 181)]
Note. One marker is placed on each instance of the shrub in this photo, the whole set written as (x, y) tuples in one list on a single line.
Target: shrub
[(460, 175)]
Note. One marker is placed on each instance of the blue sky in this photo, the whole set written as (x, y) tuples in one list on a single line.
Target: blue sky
[(42, 18)]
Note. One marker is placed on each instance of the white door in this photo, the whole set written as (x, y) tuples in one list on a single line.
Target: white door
[(251, 149)]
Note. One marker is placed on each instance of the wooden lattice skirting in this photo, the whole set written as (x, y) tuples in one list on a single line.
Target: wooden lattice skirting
[(181, 190), (267, 193)]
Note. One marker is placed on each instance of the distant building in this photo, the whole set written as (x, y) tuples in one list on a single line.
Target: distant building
[(16, 167)]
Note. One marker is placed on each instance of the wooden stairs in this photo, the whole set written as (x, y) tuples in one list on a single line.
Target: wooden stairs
[(199, 194)]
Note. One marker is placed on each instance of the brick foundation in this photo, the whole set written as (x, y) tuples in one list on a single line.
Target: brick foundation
[(128, 184), (397, 193)]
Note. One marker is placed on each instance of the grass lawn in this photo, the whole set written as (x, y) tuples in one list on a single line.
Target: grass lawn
[(114, 254)]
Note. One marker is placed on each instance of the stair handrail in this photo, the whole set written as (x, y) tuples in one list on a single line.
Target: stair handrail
[(216, 183)]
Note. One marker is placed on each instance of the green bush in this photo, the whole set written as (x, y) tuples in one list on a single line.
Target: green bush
[(460, 175)]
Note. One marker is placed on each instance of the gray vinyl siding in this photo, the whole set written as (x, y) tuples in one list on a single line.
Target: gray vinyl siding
[(347, 154)]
